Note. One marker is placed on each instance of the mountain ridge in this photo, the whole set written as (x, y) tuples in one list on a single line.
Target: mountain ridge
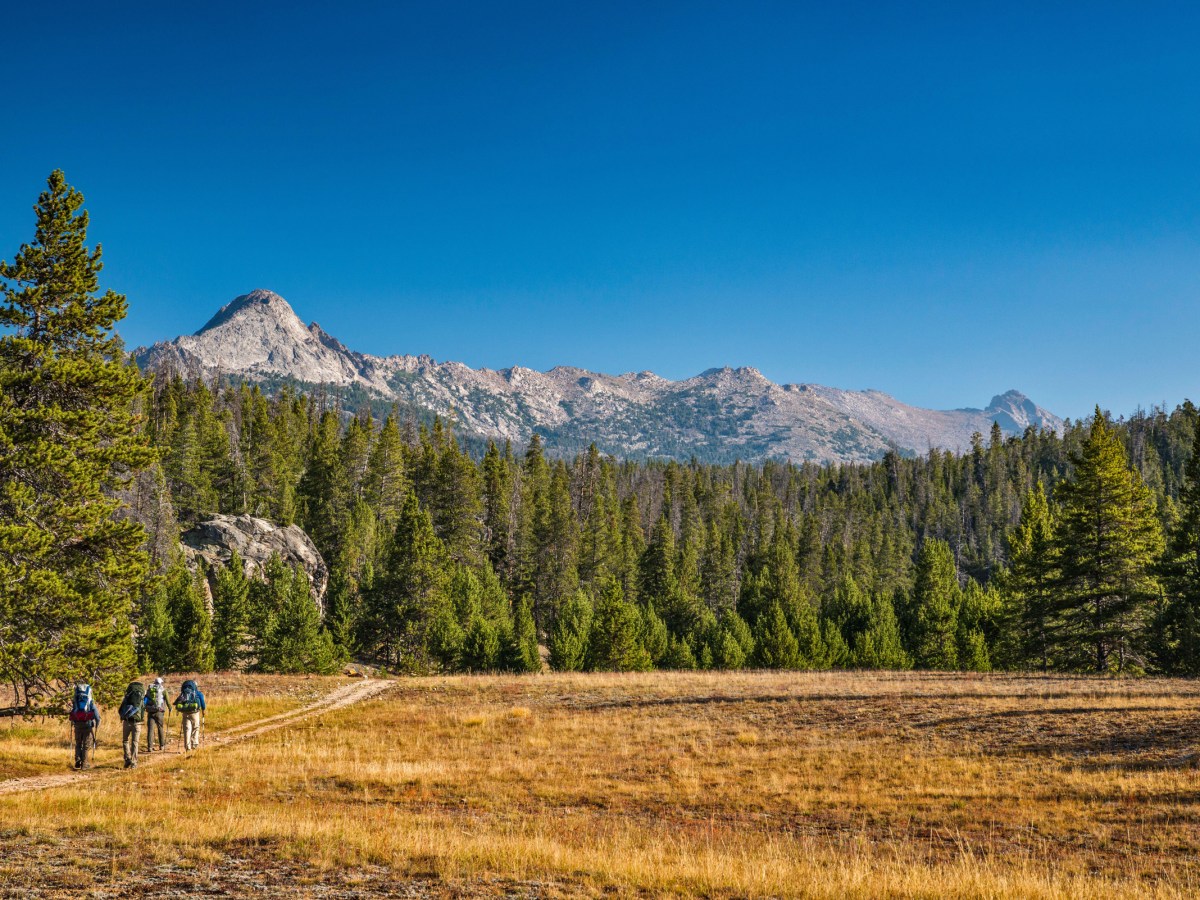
[(721, 414)]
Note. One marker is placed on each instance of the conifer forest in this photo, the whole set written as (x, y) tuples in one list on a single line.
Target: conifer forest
[(1077, 551), (1073, 552)]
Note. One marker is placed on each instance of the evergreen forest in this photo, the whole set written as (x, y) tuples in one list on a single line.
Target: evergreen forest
[(1077, 551)]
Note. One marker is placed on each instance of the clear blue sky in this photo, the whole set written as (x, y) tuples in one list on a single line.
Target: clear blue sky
[(942, 201)]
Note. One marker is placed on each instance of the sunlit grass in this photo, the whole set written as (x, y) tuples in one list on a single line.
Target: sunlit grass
[(821, 785), (45, 745)]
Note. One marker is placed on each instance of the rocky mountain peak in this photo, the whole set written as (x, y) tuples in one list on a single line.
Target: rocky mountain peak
[(1015, 412), (260, 304), (718, 416), (259, 335)]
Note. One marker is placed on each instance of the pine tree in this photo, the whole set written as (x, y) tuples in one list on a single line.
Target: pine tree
[(445, 638), (933, 608), (341, 615), (156, 631), (879, 646), (655, 637), (733, 641), (69, 440), (322, 490), (1108, 540), (775, 645), (632, 544), (408, 595), (718, 569), (550, 540), (1030, 583), (481, 646), (835, 651), (599, 533), (726, 651), (978, 623), (679, 655), (267, 598), (231, 612), (656, 568), (386, 485), (191, 620), (568, 641), (615, 639), (296, 643), (519, 647), (456, 506), (498, 512), (775, 582), (1178, 626)]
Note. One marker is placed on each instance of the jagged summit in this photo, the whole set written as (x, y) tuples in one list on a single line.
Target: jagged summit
[(258, 335), (720, 415), (1015, 412), (258, 302)]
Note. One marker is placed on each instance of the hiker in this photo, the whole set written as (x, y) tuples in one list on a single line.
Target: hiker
[(157, 709), (131, 713), (190, 703), (85, 719)]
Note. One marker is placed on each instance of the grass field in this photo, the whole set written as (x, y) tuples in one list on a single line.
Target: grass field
[(723, 785), (44, 746)]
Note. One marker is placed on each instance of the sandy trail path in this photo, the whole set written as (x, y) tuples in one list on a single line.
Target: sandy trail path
[(339, 698)]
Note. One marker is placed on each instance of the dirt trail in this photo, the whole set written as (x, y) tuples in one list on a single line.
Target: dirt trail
[(340, 698)]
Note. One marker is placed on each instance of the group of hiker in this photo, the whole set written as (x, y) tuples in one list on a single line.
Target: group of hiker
[(141, 706)]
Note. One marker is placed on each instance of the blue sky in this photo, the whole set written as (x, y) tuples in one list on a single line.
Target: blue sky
[(942, 201)]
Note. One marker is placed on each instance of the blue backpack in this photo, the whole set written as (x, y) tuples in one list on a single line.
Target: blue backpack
[(81, 704), (189, 697)]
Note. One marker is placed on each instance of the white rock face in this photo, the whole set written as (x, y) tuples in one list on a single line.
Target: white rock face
[(717, 416), (256, 541)]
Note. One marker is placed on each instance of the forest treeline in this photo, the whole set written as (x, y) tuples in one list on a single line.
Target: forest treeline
[(1077, 551), (1068, 552)]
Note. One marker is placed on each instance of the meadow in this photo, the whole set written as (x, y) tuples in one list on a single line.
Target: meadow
[(660, 784)]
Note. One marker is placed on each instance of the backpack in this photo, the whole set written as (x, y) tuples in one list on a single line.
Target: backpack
[(156, 700), (131, 707), (189, 697), (81, 704)]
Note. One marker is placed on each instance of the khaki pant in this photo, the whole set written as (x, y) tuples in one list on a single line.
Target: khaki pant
[(83, 743), (131, 736), (191, 730), (154, 722)]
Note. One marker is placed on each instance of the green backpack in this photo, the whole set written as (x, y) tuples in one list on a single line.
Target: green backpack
[(131, 707), (156, 698)]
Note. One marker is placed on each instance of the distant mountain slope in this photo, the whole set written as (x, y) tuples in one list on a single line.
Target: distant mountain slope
[(717, 416)]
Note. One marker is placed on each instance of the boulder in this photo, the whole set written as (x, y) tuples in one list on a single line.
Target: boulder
[(256, 541)]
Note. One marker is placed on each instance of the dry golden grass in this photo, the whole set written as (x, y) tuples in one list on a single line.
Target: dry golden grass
[(731, 785), (43, 746)]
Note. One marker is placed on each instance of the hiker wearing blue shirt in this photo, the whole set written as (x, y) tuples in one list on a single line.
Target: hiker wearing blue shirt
[(85, 719), (190, 704)]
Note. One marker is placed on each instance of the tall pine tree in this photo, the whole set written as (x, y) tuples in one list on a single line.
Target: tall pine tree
[(69, 439), (1108, 541)]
